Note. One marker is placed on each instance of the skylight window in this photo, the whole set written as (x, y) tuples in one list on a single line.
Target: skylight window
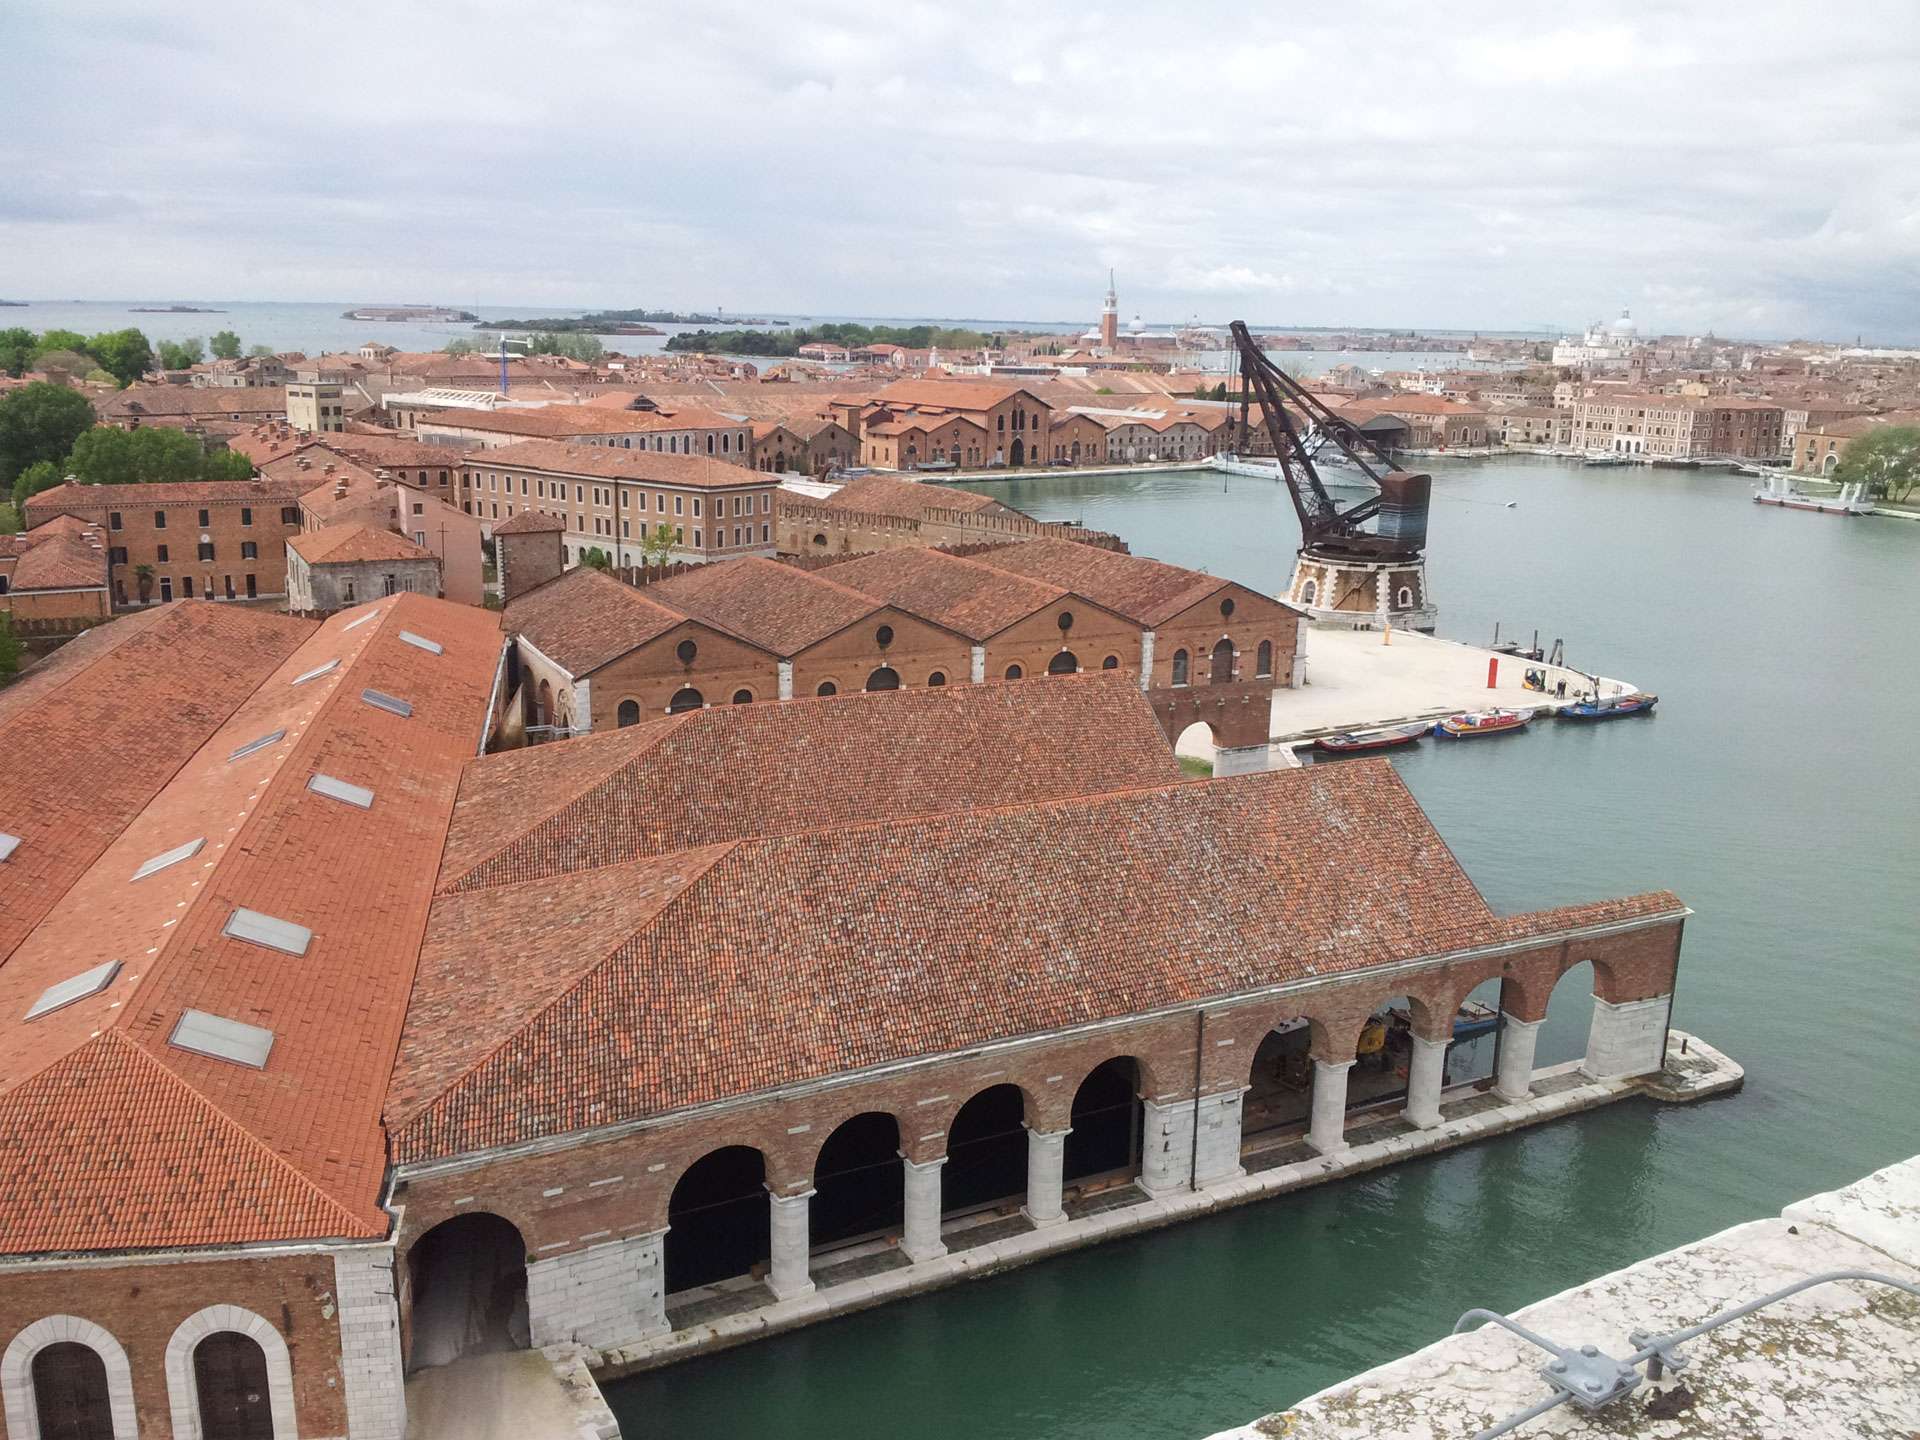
[(268, 930), (87, 982), (318, 671), (432, 647), (222, 1039), (169, 857), (393, 704), (340, 790), (356, 624), (8, 844), (252, 745)]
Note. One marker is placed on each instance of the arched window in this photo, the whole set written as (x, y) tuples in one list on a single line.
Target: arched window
[(1404, 600), (70, 1393), (629, 712), (1309, 591), (1112, 662), (1180, 667), (743, 697), (885, 678), (543, 706), (685, 699), (1065, 663), (66, 1377), (820, 540), (1014, 672), (1222, 663), (1263, 665), (230, 1384), (937, 679), (827, 687)]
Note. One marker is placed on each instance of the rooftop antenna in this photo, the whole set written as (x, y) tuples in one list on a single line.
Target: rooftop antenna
[(503, 362)]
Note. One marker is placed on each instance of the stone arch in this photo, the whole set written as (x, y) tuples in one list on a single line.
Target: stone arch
[(718, 1218), (183, 1395), (1403, 598), (1569, 1014), (743, 696), (16, 1374), (1220, 670), (1309, 591), (827, 687), (859, 1184), (1830, 463), (1014, 672), (543, 703), (1263, 660), (467, 1286), (885, 677), (986, 1144), (1199, 741), (685, 698), (1182, 667), (1064, 663), (1106, 1119), (628, 713)]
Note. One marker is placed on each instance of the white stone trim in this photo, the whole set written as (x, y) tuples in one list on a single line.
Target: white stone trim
[(16, 1374), (370, 1346), (183, 1396)]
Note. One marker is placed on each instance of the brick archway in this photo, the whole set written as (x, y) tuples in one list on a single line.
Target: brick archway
[(16, 1374), (183, 1395)]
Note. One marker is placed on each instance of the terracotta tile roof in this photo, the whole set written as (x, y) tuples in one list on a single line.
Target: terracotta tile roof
[(530, 522), (1145, 591), (98, 759), (976, 600), (952, 394), (583, 619), (736, 771), (353, 877), (352, 544), (1091, 908), (605, 462), (777, 607), (141, 401), (64, 553), (394, 453), (96, 500), (557, 421), (1597, 912), (910, 499)]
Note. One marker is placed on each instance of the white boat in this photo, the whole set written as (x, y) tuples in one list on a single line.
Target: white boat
[(1234, 465), (1779, 490)]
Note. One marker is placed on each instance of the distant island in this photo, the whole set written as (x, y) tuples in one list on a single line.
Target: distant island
[(789, 342), (172, 310), (613, 322), (408, 312), (15, 304)]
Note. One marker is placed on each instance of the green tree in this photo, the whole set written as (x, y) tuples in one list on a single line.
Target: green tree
[(597, 558), (41, 475), (123, 354), (105, 456), (458, 346), (260, 352), (71, 362), (656, 545), (39, 422), (58, 340), (9, 649), (143, 582), (1886, 460), (9, 518), (181, 354), (225, 345), (573, 345), (17, 345)]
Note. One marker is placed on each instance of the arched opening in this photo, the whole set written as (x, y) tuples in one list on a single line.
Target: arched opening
[(858, 1182), (1569, 1018), (1018, 455), (1195, 749), (468, 1280), (827, 687), (629, 713), (937, 679), (1222, 669), (1065, 663), (1830, 464), (986, 1152), (885, 678), (70, 1393), (1112, 662), (230, 1382), (1279, 1097), (718, 1219), (1403, 598), (820, 540), (1181, 665), (1014, 672), (1263, 661), (743, 697), (686, 698), (1476, 1027), (543, 705), (1309, 591), (1105, 1143)]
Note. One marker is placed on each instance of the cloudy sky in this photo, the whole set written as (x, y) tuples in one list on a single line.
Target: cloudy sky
[(1752, 168)]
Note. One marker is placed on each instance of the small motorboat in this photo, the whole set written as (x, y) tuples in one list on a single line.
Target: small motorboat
[(1483, 722), (1355, 742), (1638, 703)]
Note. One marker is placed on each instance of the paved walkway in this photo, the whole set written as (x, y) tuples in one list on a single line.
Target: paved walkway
[(514, 1395)]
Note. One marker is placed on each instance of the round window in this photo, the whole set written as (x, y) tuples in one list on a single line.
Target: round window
[(1226, 606), (883, 637), (686, 650), (1066, 621)]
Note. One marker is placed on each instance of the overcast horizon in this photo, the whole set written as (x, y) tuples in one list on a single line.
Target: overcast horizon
[(1753, 173)]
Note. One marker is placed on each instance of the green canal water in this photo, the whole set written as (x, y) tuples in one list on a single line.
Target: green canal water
[(1775, 790)]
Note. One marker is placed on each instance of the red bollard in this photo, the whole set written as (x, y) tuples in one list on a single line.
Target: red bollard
[(1493, 670)]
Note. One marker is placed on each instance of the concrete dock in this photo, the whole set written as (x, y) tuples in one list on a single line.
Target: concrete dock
[(1833, 1363), (510, 1395)]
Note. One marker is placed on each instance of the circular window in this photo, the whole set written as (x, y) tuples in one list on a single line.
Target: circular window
[(686, 650), (819, 539), (1226, 606), (1066, 621), (883, 637)]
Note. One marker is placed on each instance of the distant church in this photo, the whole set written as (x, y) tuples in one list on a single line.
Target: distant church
[(1107, 339)]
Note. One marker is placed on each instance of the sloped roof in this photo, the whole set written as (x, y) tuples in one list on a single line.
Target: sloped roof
[(976, 600), (909, 499), (352, 544), (1145, 591), (584, 618), (778, 607), (530, 522), (608, 462), (64, 553)]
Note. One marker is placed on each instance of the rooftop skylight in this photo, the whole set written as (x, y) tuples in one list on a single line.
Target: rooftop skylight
[(432, 647), (380, 700), (356, 624), (8, 844), (78, 987), (268, 930), (340, 790), (222, 1039), (318, 671), (169, 857), (252, 745)]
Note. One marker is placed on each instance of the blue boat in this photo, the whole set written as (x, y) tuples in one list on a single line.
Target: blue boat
[(1639, 703)]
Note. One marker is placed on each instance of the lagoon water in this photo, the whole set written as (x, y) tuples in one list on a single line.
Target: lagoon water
[(1775, 789)]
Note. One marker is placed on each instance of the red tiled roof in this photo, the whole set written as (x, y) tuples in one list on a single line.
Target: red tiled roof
[(140, 401), (976, 600), (352, 544), (909, 499), (777, 607), (1145, 591), (530, 522), (952, 394), (64, 553), (555, 421), (606, 462), (584, 618), (96, 500)]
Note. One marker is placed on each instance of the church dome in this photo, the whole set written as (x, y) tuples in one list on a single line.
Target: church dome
[(1137, 326), (1624, 327)]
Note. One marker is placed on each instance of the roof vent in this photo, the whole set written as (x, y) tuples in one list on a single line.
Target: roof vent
[(169, 857), (222, 1039), (318, 671), (432, 647), (268, 930), (340, 790), (393, 704), (8, 844), (356, 624), (87, 982), (252, 745)]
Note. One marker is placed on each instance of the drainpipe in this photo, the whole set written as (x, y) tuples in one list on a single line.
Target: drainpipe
[(1193, 1150)]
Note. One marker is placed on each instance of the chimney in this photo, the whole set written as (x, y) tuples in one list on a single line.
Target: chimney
[(340, 489)]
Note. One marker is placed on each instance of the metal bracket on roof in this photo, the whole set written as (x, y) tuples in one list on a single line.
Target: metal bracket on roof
[(1593, 1379)]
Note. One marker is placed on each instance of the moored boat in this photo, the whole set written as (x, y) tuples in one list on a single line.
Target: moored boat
[(1353, 742), (1780, 491), (1638, 703), (1483, 722)]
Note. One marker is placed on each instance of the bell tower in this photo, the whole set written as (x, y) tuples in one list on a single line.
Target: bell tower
[(1110, 317)]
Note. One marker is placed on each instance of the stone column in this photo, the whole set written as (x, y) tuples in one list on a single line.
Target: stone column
[(1299, 675), (1326, 1134), (1242, 760), (1166, 1146), (369, 1343), (922, 1238), (1424, 1078), (1146, 659), (581, 720), (785, 668), (1046, 1164), (979, 672), (792, 1239), (1517, 1037), (1218, 1154), (606, 1295), (1626, 1039)]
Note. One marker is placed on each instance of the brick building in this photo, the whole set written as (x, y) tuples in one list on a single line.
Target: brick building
[(883, 512), (198, 539), (188, 407), (1012, 423), (53, 578), (803, 444), (1673, 427), (673, 429)]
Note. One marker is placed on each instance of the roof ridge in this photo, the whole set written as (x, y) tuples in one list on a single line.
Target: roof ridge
[(720, 851)]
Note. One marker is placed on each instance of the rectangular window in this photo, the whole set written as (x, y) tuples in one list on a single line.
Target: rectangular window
[(418, 508), (186, 588), (289, 514), (206, 550), (163, 555), (579, 494), (249, 550), (159, 519), (117, 555), (205, 518), (246, 514), (677, 503), (696, 538), (763, 534), (113, 520), (696, 507)]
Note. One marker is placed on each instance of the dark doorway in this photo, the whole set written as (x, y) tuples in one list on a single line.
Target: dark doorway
[(1281, 1093), (718, 1219), (468, 1279), (1019, 453), (1106, 1121), (857, 1181), (687, 699), (230, 1377), (1222, 663), (986, 1151), (1065, 663), (885, 678), (70, 1393)]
